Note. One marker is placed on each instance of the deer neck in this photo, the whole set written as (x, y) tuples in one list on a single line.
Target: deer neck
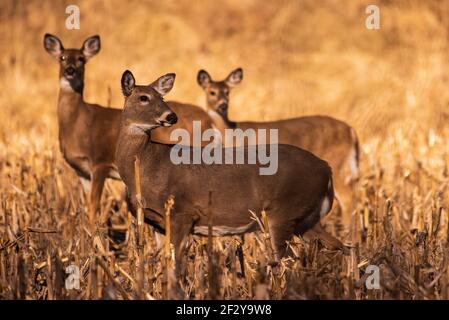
[(221, 122), (131, 143), (70, 100)]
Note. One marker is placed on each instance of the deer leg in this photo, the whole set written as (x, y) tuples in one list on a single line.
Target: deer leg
[(159, 239), (99, 176), (345, 176), (329, 240), (181, 226), (86, 185), (344, 195), (239, 252), (280, 233)]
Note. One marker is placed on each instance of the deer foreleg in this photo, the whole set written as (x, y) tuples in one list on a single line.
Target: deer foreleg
[(181, 227), (99, 176)]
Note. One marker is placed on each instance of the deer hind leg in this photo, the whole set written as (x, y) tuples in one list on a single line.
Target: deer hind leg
[(343, 191), (347, 178), (344, 194), (86, 184), (280, 233), (318, 232), (99, 176), (345, 167)]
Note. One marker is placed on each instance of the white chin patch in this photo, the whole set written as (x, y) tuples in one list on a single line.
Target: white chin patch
[(65, 84), (166, 124), (140, 128)]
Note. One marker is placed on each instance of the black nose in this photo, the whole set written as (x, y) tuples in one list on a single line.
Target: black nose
[(172, 118), (222, 108), (70, 71)]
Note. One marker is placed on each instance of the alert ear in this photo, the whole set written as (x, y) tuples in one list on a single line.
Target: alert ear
[(53, 45), (128, 83), (91, 46), (203, 78), (164, 84), (234, 78)]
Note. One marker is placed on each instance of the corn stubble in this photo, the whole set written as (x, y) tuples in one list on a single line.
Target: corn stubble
[(400, 225)]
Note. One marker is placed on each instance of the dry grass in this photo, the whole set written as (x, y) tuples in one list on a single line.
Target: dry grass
[(299, 58)]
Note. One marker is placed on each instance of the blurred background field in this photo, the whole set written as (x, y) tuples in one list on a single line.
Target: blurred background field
[(300, 57)]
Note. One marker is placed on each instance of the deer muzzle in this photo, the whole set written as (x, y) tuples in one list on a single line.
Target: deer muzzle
[(69, 72), (168, 119), (223, 109)]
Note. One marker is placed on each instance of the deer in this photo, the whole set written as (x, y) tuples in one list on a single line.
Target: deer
[(88, 133), (295, 198), (328, 138)]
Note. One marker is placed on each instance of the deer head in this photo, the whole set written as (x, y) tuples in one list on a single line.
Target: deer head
[(145, 108), (217, 92), (72, 61)]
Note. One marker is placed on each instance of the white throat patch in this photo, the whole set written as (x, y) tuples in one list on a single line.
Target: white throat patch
[(137, 128), (65, 84), (214, 115)]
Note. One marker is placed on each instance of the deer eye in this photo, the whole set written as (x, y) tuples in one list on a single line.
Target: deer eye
[(213, 93), (62, 58), (82, 59), (143, 99)]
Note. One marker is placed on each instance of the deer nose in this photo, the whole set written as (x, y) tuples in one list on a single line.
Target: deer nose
[(222, 108), (70, 71), (168, 119), (172, 118)]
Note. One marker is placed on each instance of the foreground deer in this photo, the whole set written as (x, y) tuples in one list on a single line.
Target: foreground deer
[(295, 198), (326, 137), (88, 133)]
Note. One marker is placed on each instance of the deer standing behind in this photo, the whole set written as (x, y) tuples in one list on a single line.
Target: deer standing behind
[(88, 133), (295, 198), (326, 137)]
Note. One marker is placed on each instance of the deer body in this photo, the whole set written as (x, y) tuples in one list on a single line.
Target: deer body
[(247, 189), (84, 144), (326, 137), (295, 198)]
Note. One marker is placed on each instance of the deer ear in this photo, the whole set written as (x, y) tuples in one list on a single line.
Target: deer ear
[(234, 78), (164, 84), (203, 78), (128, 83), (91, 46), (53, 45)]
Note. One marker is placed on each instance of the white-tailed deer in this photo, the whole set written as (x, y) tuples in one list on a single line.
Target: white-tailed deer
[(88, 133), (326, 137), (295, 197)]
